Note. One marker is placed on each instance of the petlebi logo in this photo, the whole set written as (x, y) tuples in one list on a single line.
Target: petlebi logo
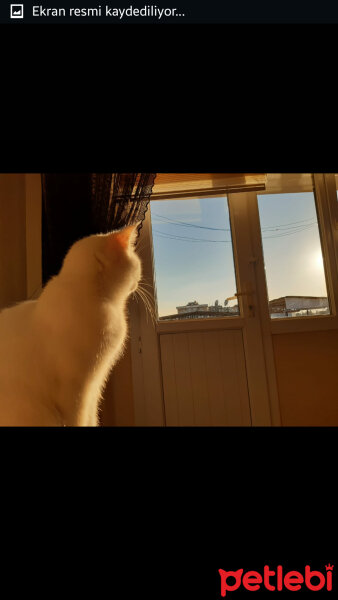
[(277, 580)]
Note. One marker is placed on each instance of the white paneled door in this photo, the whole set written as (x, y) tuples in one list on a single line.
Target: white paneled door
[(202, 361), (204, 378)]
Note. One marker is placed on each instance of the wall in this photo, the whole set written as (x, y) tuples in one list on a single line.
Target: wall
[(33, 233), (118, 404), (12, 239), (20, 236), (306, 369)]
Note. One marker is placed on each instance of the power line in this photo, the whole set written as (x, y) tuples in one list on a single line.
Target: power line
[(184, 224), (287, 233), (286, 226), (192, 239), (188, 239)]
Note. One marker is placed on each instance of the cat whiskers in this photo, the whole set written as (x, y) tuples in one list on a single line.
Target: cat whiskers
[(148, 306), (143, 285), (147, 300)]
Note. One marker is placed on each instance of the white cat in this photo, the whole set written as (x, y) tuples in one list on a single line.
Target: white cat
[(56, 352)]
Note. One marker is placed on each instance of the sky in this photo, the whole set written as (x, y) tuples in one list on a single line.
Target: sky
[(194, 258)]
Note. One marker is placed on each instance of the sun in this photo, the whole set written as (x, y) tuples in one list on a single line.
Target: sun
[(318, 261)]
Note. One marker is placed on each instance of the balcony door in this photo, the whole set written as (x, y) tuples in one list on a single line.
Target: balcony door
[(223, 274)]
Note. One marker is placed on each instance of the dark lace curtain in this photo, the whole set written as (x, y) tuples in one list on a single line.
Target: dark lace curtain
[(77, 205)]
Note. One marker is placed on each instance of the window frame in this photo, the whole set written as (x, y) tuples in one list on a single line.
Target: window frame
[(323, 195), (234, 320), (324, 187)]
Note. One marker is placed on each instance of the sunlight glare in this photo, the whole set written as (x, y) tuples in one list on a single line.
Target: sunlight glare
[(318, 261)]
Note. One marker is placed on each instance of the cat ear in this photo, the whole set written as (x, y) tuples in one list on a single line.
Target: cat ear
[(126, 236)]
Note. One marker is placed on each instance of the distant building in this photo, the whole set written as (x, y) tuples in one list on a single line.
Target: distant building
[(287, 306), (292, 306), (192, 307), (193, 310), (213, 309)]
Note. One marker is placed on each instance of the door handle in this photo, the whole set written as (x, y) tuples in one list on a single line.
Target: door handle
[(251, 305)]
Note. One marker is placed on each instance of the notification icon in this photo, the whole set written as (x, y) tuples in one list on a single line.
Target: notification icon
[(16, 11)]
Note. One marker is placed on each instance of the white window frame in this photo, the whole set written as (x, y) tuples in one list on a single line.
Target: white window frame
[(324, 196)]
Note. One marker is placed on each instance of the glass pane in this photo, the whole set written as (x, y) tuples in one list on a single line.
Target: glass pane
[(293, 255), (194, 266)]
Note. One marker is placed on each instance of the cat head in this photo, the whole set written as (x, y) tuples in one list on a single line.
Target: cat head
[(106, 262)]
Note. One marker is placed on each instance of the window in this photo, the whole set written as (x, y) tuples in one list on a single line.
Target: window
[(194, 265), (292, 254)]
